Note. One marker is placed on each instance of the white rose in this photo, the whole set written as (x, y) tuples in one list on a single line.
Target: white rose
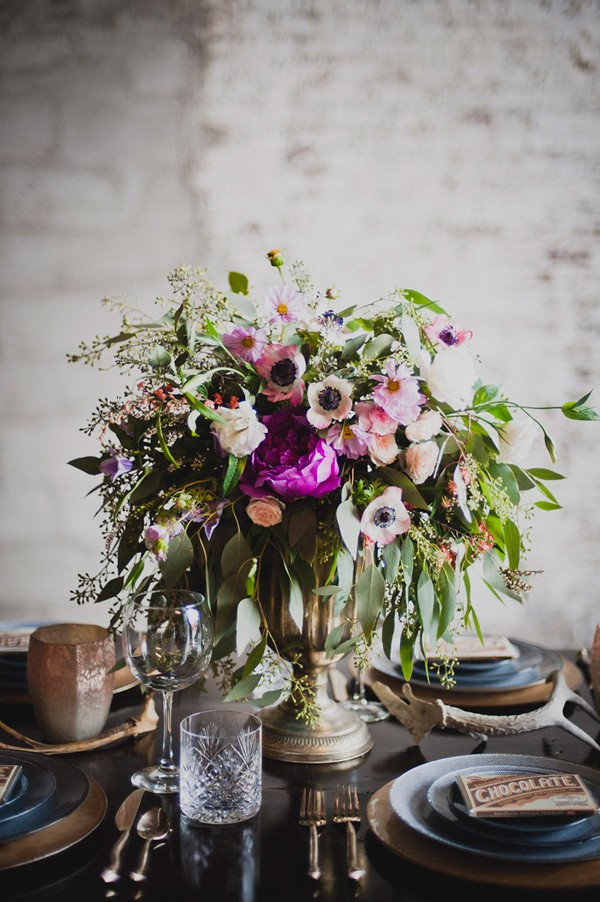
[(241, 432), (516, 439), (420, 461), (425, 427), (451, 377)]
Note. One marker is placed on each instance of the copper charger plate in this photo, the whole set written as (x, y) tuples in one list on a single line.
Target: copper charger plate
[(527, 695), (412, 846), (124, 680), (59, 836)]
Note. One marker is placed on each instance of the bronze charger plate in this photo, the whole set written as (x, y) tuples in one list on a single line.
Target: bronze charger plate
[(58, 836), (401, 839)]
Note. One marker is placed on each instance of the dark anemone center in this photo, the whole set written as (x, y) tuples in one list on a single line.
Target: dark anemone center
[(329, 398), (449, 335), (284, 372), (384, 516)]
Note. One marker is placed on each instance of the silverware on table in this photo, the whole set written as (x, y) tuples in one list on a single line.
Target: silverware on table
[(124, 819), (312, 815), (347, 811), (152, 825)]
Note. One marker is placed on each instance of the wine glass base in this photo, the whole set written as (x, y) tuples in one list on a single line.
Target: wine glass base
[(368, 711), (155, 779)]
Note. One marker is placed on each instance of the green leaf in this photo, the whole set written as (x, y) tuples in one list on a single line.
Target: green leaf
[(255, 657), (235, 468), (163, 445), (207, 412), (160, 358), (507, 477), (448, 602), (378, 346), (180, 557), (243, 688), (548, 506), (111, 589), (391, 560), (267, 699), (420, 301), (238, 283), (425, 598), (410, 493), (148, 485), (333, 639), (493, 577), (327, 591), (512, 543), (580, 413), (541, 473), (387, 632), (349, 525), (499, 411), (236, 557), (484, 394), (89, 465), (407, 552), (550, 447), (407, 645), (410, 332), (247, 624), (352, 346), (524, 481), (369, 594)]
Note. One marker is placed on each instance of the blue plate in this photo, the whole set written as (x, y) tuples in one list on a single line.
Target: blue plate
[(70, 789), (408, 798), (34, 788), (444, 797)]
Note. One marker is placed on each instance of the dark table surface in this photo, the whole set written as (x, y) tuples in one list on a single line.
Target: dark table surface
[(266, 857)]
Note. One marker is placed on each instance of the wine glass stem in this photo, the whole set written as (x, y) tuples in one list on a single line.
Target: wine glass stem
[(359, 689), (166, 761)]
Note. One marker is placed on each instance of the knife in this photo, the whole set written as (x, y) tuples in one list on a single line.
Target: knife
[(124, 819)]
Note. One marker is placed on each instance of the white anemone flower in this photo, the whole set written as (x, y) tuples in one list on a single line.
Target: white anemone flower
[(451, 377), (328, 400), (385, 517)]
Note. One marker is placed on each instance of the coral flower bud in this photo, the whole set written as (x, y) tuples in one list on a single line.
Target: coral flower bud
[(275, 258)]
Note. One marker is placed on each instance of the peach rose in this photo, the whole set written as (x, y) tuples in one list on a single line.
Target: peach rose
[(265, 511), (420, 461), (383, 449)]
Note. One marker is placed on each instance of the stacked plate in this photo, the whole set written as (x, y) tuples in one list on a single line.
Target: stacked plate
[(49, 794), (427, 799), (14, 642), (532, 666)]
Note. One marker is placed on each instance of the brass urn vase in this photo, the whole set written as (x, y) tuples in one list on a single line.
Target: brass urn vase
[(337, 734)]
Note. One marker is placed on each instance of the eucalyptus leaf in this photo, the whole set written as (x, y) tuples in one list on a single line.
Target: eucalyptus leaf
[(542, 473), (243, 688), (352, 346), (89, 465), (512, 543), (160, 358), (247, 624), (387, 632), (268, 698), (484, 394), (425, 599), (412, 338), (407, 552), (391, 560), (349, 525), (369, 594), (378, 346), (255, 656), (238, 283), (180, 557), (410, 494)]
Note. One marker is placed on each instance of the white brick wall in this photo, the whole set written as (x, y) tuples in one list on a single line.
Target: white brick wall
[(448, 146)]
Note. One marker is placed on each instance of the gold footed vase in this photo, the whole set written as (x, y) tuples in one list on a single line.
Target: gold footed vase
[(338, 734)]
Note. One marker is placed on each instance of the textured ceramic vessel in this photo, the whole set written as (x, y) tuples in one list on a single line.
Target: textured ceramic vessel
[(69, 679)]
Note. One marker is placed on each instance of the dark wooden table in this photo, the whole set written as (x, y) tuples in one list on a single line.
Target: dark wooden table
[(266, 858)]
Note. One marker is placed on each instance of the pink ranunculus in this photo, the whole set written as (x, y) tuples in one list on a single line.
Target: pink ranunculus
[(292, 461), (420, 461), (382, 449), (373, 418), (267, 511)]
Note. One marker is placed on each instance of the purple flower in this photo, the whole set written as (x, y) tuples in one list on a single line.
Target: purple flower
[(115, 465), (291, 462)]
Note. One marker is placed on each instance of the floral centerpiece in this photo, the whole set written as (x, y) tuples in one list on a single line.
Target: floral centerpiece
[(353, 452)]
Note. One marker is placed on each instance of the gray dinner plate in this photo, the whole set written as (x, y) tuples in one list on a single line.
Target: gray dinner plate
[(525, 676), (408, 798), (444, 797), (34, 788)]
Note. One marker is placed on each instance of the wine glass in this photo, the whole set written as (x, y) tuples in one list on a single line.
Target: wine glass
[(369, 711), (167, 641)]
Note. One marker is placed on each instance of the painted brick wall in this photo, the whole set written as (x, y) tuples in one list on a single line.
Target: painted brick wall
[(452, 147)]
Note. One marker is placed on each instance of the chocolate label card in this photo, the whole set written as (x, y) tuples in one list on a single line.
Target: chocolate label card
[(511, 795)]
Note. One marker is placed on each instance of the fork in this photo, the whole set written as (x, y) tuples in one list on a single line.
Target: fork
[(347, 811), (312, 815)]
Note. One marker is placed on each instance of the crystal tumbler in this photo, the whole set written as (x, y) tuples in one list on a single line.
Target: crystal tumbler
[(220, 767)]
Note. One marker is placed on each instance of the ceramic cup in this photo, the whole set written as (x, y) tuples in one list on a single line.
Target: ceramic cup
[(69, 679)]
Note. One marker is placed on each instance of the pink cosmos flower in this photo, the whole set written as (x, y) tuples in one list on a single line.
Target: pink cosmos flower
[(348, 439), (287, 303), (385, 517), (373, 418), (267, 511), (282, 366), (249, 344), (442, 332), (398, 393), (329, 400)]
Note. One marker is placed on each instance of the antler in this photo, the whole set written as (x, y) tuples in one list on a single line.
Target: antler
[(420, 717), (145, 722)]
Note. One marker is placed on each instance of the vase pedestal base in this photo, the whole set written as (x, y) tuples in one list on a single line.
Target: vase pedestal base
[(338, 735)]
